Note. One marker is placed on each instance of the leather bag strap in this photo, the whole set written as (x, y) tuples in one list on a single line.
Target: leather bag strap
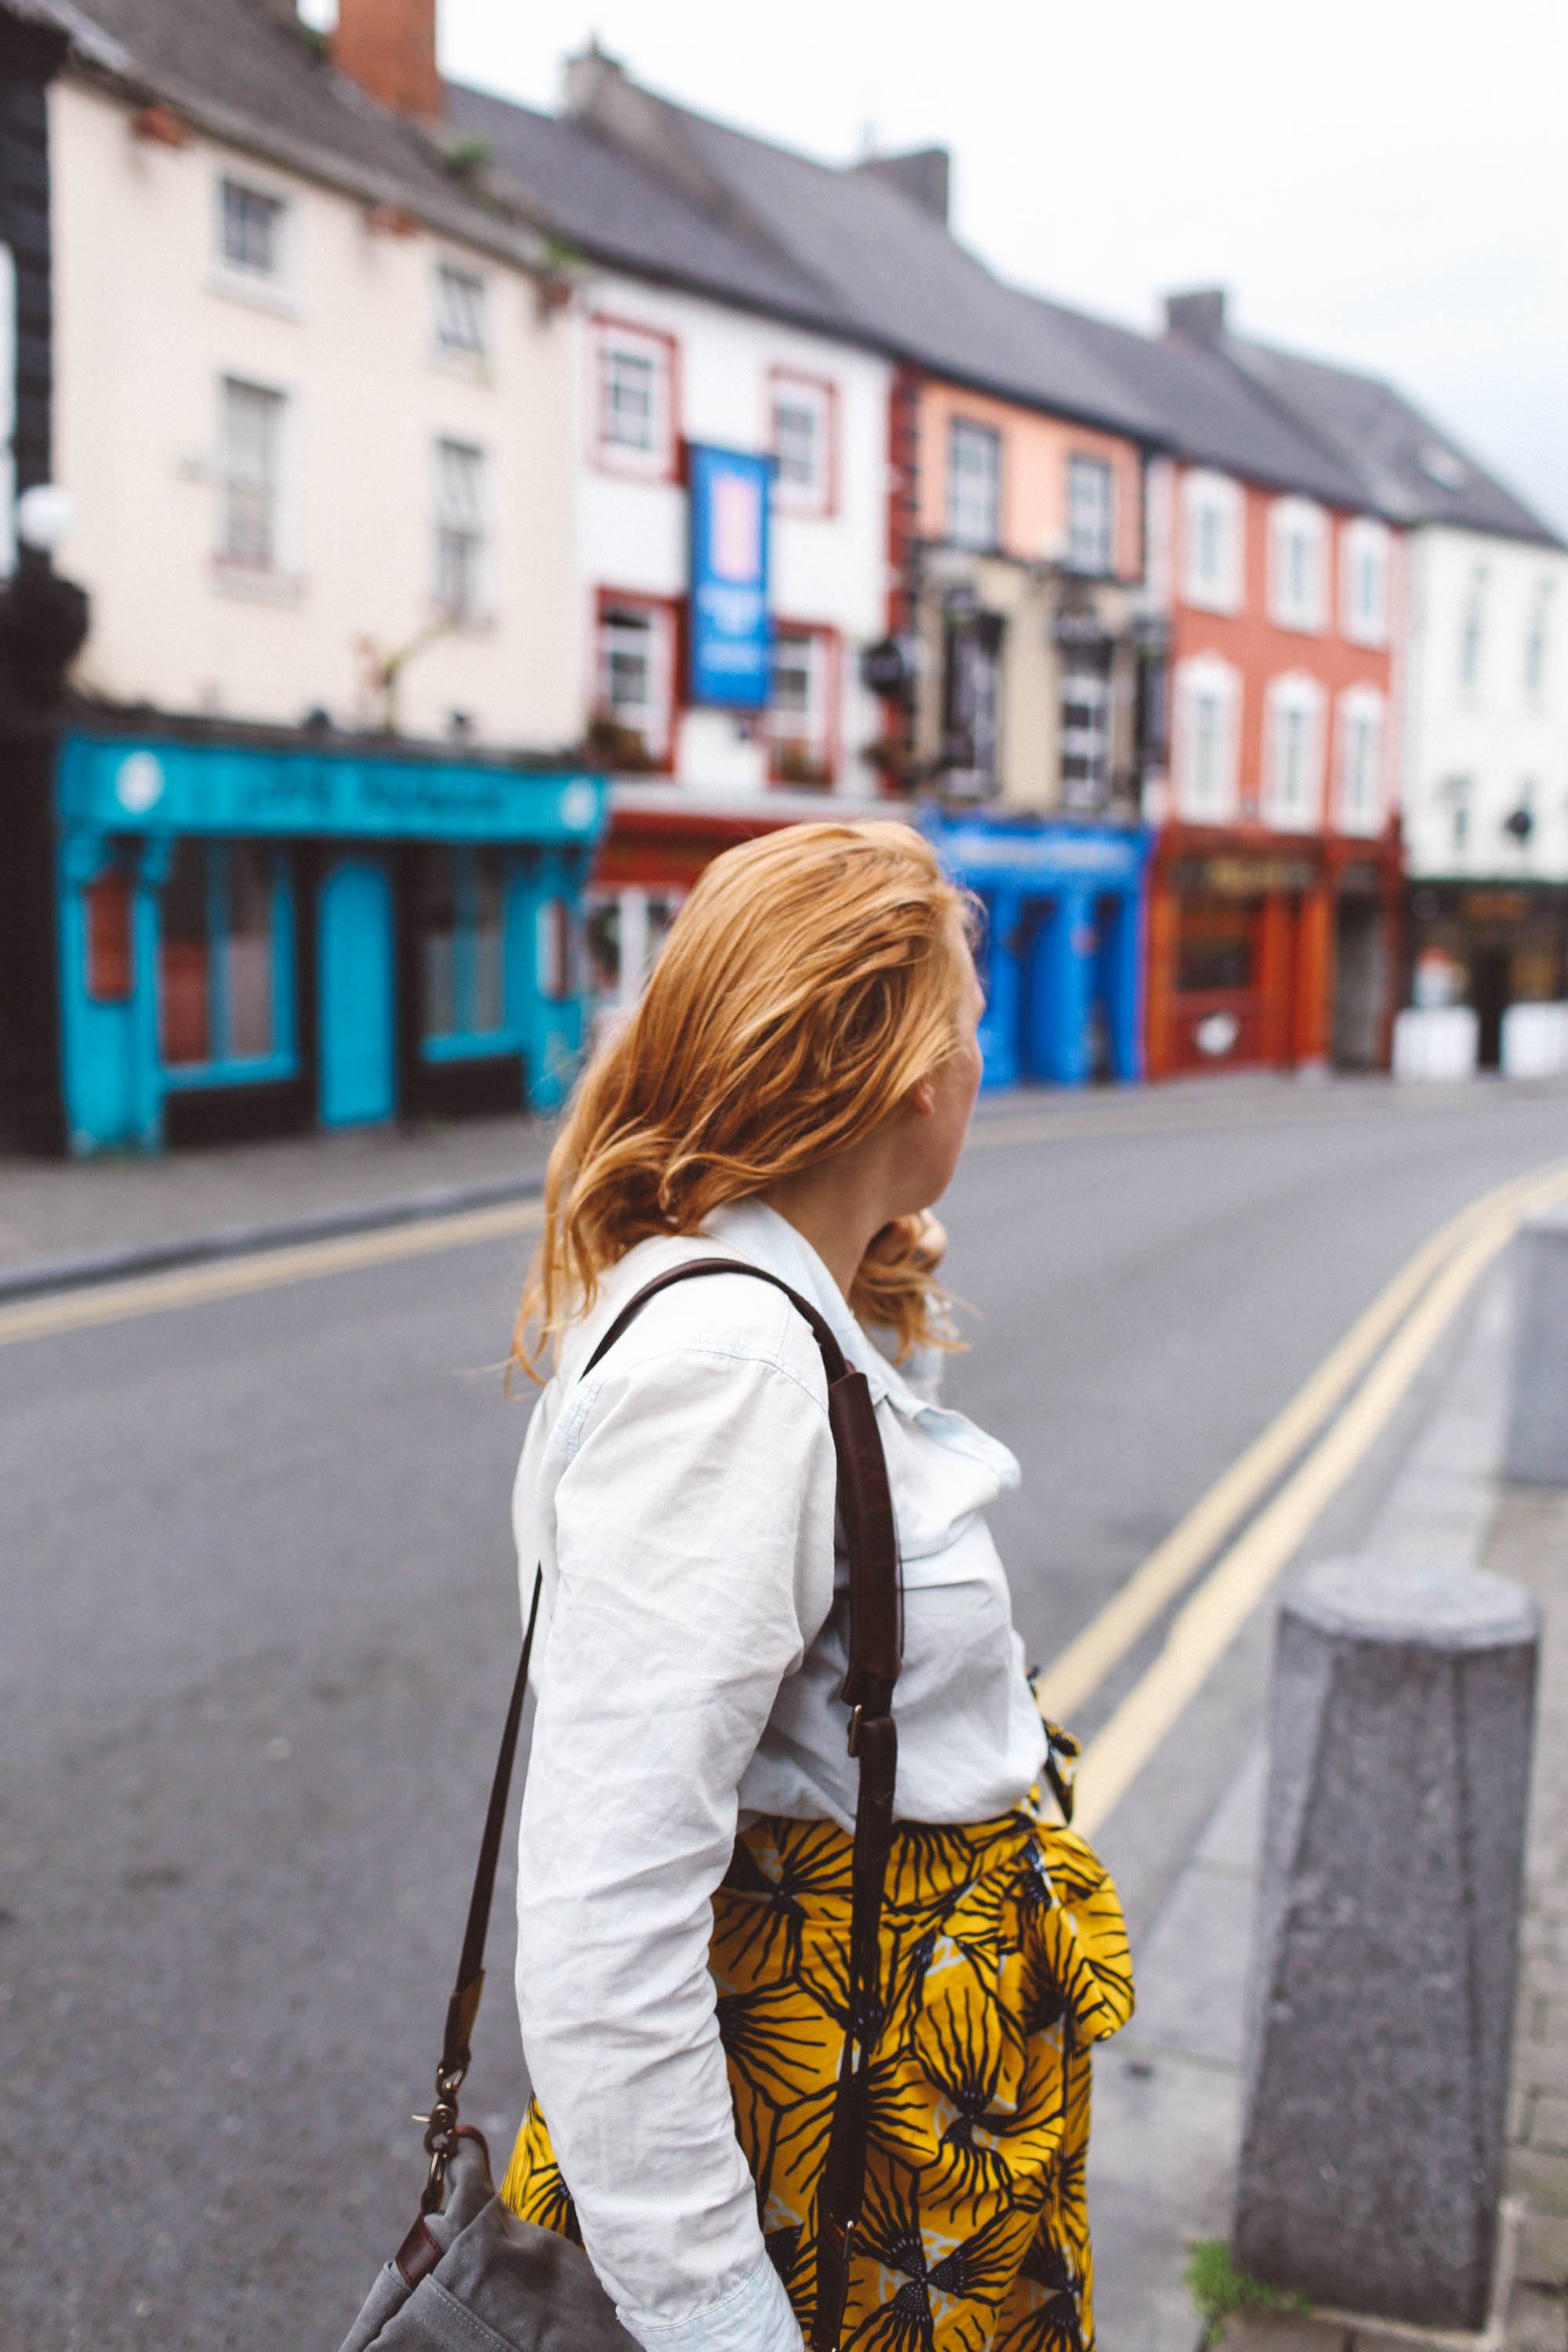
[(875, 1651)]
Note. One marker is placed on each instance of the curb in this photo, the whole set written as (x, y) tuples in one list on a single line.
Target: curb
[(82, 1273)]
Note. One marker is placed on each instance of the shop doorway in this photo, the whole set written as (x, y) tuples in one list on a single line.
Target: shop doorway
[(355, 993), (1491, 981), (1361, 983)]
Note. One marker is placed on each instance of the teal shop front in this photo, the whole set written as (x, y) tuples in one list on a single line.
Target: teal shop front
[(259, 933)]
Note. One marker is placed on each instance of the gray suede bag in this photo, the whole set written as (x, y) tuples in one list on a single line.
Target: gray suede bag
[(470, 2276)]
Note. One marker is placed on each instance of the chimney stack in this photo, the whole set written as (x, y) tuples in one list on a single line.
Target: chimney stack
[(924, 176), (1198, 317), (388, 47)]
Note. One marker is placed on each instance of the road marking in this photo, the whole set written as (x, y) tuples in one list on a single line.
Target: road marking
[(1078, 1670), (1209, 1622), (157, 1293)]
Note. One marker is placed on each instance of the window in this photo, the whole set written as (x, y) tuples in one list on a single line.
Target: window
[(1363, 584), (1089, 514), (1471, 628), (635, 693), (1458, 792), (1536, 642), (250, 473), (109, 908), (802, 437), (460, 530), (460, 308), (1298, 533), (250, 231), (1216, 947), (1214, 517), (973, 484), (1293, 775), (971, 701), (801, 722), (223, 952), (1208, 711), (1086, 730), (462, 947), (635, 423), (1361, 760), (8, 410)]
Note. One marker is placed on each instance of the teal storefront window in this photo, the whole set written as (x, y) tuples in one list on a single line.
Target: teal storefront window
[(465, 894), (226, 934)]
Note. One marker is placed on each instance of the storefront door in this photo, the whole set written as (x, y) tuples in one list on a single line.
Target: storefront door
[(355, 995)]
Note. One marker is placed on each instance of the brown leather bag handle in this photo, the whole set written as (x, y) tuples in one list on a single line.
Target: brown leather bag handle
[(875, 1651)]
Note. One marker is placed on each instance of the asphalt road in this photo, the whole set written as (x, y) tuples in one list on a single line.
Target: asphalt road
[(262, 1617)]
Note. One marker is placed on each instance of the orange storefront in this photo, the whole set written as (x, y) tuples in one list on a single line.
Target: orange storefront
[(1280, 954)]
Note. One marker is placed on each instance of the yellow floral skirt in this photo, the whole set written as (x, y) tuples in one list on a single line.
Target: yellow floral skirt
[(1003, 1958)]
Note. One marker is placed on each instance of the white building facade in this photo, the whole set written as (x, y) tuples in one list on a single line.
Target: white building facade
[(314, 444), (659, 371), (1486, 789)]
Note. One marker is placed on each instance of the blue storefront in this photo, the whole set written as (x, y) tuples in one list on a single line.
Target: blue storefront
[(258, 932), (1062, 954)]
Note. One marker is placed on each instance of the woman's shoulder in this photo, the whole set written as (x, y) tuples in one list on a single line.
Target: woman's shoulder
[(743, 1315)]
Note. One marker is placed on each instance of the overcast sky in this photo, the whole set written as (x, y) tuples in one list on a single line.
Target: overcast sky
[(1379, 181)]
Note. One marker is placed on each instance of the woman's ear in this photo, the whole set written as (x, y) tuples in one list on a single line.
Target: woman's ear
[(923, 1099)]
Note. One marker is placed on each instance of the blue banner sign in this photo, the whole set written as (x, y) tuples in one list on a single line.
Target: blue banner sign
[(732, 629), (146, 785)]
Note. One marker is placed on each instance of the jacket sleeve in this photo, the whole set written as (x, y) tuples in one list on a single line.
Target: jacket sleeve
[(694, 1531)]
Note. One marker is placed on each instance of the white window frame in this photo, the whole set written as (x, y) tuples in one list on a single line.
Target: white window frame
[(7, 411), (282, 518), (1361, 719), (1294, 708), (816, 397), (966, 525), (1365, 554), (617, 339), (276, 289), (816, 734), (470, 518), (449, 274), (1085, 465), (654, 720), (1216, 497), (1304, 607), (1471, 663), (1213, 799), (1538, 639)]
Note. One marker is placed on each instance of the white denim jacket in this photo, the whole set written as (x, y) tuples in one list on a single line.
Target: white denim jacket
[(681, 1501)]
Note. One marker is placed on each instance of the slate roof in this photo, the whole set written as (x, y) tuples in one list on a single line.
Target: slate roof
[(581, 187), (236, 70), (1411, 467), (837, 247), (1215, 416), (900, 271)]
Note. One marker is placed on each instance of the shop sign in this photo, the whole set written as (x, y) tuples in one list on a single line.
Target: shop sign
[(1244, 878), (731, 661), (167, 787), (1493, 906), (1101, 856)]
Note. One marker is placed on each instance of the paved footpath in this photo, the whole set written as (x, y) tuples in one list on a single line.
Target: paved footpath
[(1527, 1539)]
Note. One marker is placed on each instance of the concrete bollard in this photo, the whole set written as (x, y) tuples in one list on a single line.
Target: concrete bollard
[(1537, 1446), (1388, 1926)]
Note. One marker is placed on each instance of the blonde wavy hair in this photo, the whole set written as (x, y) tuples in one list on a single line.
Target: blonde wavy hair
[(811, 977)]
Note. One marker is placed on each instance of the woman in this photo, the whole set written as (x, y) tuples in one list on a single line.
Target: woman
[(793, 1092)]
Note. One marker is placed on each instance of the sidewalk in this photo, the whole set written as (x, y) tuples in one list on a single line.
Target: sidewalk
[(1169, 2092)]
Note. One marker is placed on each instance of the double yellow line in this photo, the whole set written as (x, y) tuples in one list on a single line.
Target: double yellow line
[(232, 1277), (1395, 1337)]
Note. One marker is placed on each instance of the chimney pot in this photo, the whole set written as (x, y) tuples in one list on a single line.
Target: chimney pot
[(388, 47)]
